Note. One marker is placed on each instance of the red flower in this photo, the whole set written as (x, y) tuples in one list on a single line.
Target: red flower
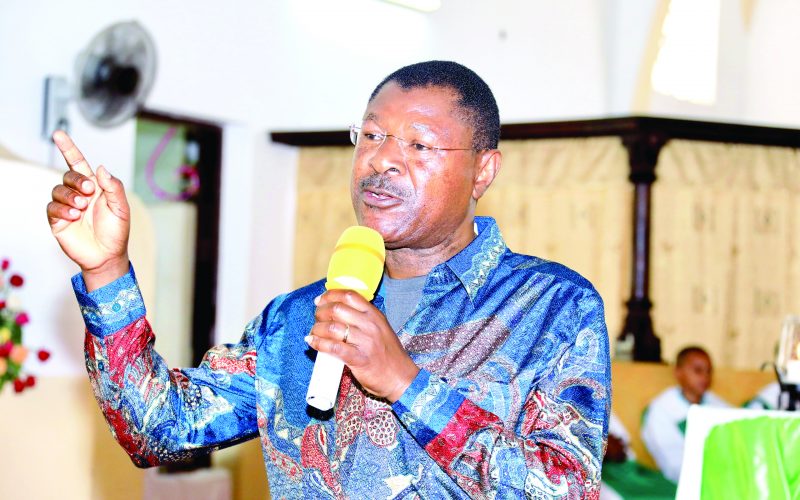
[(2, 304), (30, 381), (16, 280), (4, 264), (43, 355), (22, 319), (5, 349), (19, 385)]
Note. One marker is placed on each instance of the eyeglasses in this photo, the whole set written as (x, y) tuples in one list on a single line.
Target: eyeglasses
[(372, 138)]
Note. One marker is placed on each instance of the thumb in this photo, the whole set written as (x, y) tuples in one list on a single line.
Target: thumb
[(115, 193)]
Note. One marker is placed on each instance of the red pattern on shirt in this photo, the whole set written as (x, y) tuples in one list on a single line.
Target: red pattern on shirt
[(557, 464), (451, 441), (357, 412), (313, 452), (124, 347), (540, 413), (134, 444), (224, 359)]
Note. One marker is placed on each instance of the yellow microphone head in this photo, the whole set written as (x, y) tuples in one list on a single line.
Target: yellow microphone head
[(357, 261)]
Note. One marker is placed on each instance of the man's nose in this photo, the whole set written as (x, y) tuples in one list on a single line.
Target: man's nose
[(389, 156)]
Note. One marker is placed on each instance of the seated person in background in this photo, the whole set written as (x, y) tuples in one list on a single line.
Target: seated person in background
[(618, 448), (766, 399), (623, 476), (664, 421), (770, 398)]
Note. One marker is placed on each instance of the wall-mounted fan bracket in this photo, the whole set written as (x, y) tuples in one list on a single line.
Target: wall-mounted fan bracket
[(57, 93)]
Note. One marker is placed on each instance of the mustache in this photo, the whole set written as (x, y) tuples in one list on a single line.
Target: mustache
[(379, 181)]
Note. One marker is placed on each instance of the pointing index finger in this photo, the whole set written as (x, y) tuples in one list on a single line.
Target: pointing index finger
[(72, 155)]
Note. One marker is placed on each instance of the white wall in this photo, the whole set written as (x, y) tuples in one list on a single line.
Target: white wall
[(543, 60), (773, 76), (301, 65), (627, 28)]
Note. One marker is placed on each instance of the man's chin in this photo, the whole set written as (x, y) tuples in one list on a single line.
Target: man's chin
[(387, 226)]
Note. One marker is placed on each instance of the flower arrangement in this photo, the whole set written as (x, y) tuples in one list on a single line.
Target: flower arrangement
[(12, 318)]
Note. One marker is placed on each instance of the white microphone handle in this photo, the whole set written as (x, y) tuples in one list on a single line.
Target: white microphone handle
[(325, 379)]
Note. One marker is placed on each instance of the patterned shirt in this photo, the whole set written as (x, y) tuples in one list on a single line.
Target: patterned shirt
[(511, 401)]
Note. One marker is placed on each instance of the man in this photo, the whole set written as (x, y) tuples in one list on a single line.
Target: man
[(664, 422), (475, 372)]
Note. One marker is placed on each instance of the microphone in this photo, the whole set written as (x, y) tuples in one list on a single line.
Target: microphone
[(356, 264)]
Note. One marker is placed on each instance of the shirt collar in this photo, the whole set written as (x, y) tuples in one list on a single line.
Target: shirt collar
[(471, 266)]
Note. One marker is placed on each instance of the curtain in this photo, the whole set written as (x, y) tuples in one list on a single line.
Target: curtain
[(324, 209), (724, 255), (570, 201)]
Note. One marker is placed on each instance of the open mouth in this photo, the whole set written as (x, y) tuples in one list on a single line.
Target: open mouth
[(379, 198)]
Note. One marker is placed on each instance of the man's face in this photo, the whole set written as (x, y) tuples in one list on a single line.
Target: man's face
[(694, 375), (411, 202)]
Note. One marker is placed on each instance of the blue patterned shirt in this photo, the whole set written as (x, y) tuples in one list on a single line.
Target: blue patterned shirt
[(511, 401)]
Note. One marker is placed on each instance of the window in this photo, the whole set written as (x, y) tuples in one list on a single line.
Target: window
[(686, 64)]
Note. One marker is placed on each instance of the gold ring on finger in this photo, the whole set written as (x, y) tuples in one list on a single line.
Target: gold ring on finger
[(346, 333)]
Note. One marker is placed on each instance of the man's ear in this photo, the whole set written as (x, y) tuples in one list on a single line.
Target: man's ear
[(488, 162)]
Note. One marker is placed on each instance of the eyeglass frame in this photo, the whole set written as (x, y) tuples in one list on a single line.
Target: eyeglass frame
[(355, 129)]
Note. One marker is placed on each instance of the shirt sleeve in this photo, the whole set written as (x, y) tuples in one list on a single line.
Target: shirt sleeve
[(159, 414), (556, 448)]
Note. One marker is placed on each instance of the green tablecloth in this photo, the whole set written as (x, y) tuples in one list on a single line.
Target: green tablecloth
[(753, 459), (635, 481)]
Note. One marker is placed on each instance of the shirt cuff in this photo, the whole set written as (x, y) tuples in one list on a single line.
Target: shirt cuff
[(111, 307), (427, 406)]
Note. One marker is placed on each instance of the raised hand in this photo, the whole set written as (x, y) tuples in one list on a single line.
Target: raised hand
[(90, 217), (372, 351)]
